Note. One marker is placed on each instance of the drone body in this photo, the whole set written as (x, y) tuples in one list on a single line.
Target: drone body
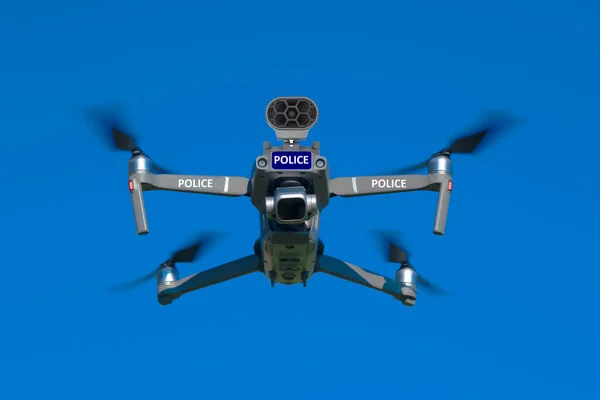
[(290, 186)]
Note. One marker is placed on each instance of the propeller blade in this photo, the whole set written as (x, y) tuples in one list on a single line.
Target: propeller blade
[(108, 122), (123, 141), (470, 142), (127, 286), (394, 250), (491, 128), (425, 284), (184, 255), (191, 252)]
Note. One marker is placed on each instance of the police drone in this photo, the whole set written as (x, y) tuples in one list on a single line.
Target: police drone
[(290, 186)]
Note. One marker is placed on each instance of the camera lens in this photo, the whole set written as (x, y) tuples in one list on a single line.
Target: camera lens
[(291, 209)]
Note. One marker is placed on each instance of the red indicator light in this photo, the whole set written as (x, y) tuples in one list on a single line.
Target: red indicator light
[(130, 185), (449, 186)]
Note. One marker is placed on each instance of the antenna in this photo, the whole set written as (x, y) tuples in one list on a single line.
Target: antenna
[(292, 117)]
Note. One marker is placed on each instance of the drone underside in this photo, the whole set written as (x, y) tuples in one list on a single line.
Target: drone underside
[(290, 186)]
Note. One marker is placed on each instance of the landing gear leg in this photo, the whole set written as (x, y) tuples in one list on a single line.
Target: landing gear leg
[(304, 278), (272, 277)]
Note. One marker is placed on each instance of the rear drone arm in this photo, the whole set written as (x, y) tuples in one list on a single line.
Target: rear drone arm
[(169, 290), (349, 272), (372, 185), (139, 182)]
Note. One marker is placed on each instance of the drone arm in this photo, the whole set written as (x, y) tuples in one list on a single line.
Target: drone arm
[(349, 272), (231, 186), (225, 272), (372, 185)]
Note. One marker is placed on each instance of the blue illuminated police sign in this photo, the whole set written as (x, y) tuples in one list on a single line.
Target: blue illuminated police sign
[(282, 160)]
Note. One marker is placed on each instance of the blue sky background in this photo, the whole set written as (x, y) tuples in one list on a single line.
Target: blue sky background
[(195, 80)]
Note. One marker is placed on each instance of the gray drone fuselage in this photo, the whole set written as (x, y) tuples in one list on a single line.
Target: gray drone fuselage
[(289, 246)]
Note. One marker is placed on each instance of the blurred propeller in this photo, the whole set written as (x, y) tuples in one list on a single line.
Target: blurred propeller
[(185, 255), (108, 123), (470, 142), (396, 252)]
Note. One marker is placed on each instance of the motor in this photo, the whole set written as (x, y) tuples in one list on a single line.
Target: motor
[(407, 277)]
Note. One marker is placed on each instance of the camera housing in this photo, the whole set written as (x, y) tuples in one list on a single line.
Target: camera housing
[(291, 205)]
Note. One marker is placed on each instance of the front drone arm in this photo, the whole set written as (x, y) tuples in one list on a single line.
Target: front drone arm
[(372, 185), (231, 186), (350, 272), (139, 182), (168, 291)]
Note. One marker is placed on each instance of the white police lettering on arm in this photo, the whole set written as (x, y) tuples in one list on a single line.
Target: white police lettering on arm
[(291, 160), (388, 183), (195, 183)]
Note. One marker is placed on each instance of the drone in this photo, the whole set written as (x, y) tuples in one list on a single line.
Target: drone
[(290, 186)]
